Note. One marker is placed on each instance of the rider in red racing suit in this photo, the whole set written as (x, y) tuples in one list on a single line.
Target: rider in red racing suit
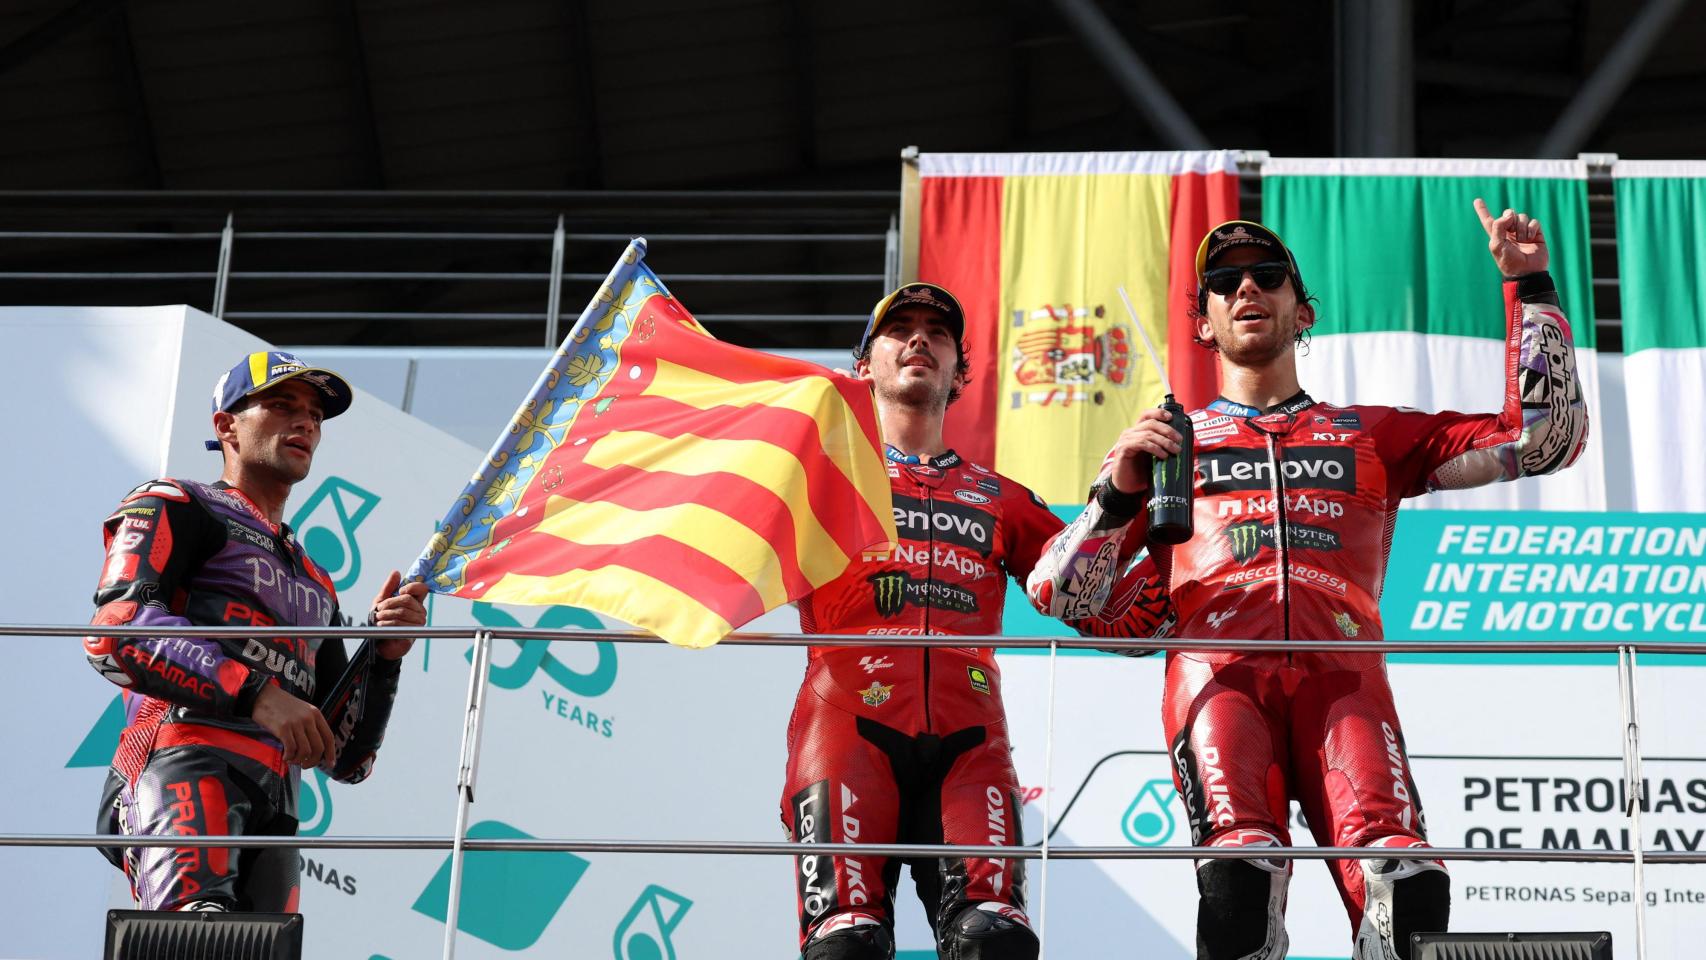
[(909, 745), (1294, 512)]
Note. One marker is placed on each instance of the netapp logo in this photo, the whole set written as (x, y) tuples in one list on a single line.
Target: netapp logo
[(944, 520), (1318, 468)]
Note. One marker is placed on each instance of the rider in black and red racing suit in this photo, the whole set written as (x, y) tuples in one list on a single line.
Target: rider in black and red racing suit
[(191, 761)]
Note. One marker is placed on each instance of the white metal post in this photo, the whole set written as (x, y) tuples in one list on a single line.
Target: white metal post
[(1634, 791), (554, 299), (1048, 792), (222, 277), (466, 770)]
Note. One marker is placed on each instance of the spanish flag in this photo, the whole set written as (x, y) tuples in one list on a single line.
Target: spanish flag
[(663, 477), (1035, 246)]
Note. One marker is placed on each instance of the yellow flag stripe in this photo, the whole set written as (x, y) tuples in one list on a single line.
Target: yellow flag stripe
[(620, 592), (706, 529), (842, 439), (765, 464), (1070, 241)]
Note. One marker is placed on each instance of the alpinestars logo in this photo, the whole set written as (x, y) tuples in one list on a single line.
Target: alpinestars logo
[(1249, 537), (894, 591)]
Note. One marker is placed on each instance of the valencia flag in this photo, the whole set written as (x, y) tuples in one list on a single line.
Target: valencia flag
[(661, 476)]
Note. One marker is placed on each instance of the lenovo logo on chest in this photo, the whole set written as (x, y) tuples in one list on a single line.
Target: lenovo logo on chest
[(1309, 468), (946, 521)]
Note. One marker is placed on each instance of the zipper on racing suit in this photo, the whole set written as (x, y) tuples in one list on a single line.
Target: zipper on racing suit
[(1282, 538), (929, 577)]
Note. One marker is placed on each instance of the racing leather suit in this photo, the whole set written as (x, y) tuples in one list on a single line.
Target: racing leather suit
[(892, 745), (190, 760), (1294, 513)]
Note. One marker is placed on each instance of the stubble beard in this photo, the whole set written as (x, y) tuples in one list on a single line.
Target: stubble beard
[(1257, 353), (916, 394)]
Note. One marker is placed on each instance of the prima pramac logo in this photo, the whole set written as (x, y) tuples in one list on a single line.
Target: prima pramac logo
[(1065, 355)]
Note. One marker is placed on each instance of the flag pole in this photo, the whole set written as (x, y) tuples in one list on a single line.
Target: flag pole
[(604, 300)]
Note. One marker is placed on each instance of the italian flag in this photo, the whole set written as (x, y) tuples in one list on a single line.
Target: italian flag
[(1035, 246), (1661, 262), (1410, 310)]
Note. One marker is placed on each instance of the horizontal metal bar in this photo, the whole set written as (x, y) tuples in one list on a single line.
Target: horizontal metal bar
[(783, 317), (1469, 647), (534, 317), (103, 235), (1606, 281), (544, 236), (375, 315), (401, 197), (911, 850), (57, 275), (446, 277)]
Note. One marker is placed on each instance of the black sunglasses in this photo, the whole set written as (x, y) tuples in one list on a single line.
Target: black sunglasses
[(1269, 274)]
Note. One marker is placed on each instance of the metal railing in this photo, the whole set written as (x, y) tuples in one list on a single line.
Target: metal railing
[(757, 262), (473, 726)]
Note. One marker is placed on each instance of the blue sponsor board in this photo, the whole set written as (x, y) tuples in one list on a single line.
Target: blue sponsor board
[(1498, 576), (1477, 575)]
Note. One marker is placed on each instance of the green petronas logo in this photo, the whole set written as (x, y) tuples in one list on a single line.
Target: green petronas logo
[(1149, 821), (326, 524)]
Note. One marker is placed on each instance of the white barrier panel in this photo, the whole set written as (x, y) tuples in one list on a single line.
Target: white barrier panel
[(652, 743)]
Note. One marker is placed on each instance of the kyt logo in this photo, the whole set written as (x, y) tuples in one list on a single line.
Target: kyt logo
[(1149, 821), (326, 524)]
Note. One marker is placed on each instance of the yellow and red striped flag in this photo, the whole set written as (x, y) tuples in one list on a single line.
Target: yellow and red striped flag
[(659, 475), (1035, 245)]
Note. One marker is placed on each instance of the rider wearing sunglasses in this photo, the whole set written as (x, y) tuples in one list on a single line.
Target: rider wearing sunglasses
[(1295, 502)]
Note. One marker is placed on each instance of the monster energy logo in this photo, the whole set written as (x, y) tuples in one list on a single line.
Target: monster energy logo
[(1166, 472), (1248, 538), (895, 590)]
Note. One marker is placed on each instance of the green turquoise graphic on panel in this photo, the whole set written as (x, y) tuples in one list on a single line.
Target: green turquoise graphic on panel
[(644, 931), (535, 655), (1149, 821), (508, 898), (98, 744), (313, 804), (326, 524)]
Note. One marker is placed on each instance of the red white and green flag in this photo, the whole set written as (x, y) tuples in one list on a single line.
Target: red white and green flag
[(1411, 311)]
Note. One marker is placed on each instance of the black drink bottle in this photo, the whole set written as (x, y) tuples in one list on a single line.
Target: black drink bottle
[(1171, 482)]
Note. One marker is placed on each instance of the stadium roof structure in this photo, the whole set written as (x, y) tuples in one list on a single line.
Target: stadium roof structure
[(193, 107)]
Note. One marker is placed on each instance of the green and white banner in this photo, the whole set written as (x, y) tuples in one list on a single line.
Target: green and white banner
[(1661, 264), (1410, 309)]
